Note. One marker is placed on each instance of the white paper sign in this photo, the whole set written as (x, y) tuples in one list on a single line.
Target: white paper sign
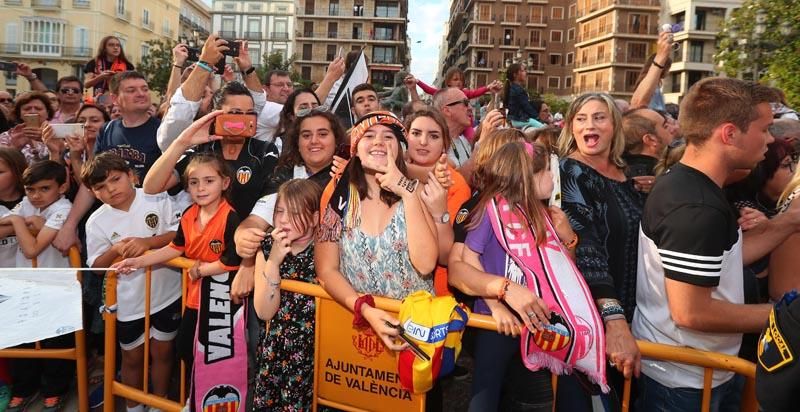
[(36, 305)]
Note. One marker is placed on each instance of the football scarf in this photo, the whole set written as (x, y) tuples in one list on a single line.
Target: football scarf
[(575, 336), (435, 324), (219, 376)]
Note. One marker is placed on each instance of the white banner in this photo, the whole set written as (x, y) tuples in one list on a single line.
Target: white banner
[(38, 304)]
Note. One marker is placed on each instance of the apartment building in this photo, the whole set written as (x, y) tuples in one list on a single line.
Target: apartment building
[(694, 59), (58, 37), (326, 27), (615, 37), (194, 20), (486, 36), (266, 25)]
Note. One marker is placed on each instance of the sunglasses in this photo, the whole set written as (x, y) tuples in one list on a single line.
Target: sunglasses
[(69, 90), (465, 102), (6, 100), (311, 110)]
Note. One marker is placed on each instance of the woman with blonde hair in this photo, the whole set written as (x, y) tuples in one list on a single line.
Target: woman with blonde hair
[(605, 209)]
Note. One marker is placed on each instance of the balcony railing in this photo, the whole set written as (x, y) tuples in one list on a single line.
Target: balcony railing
[(81, 4), (638, 29), (46, 4), (595, 33), (225, 34), (601, 4), (592, 60), (279, 35), (124, 15), (338, 35), (13, 2), (17, 48), (597, 87), (253, 35)]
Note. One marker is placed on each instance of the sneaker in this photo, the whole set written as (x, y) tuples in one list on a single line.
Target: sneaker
[(96, 397), (19, 404), (52, 404)]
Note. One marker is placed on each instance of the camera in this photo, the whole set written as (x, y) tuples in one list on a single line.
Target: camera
[(672, 28), (233, 48), (194, 54)]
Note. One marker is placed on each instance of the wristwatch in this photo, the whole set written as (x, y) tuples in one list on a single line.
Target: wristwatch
[(248, 71), (444, 219)]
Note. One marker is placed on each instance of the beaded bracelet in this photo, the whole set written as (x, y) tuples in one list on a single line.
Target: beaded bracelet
[(572, 244), (503, 290), (611, 308), (359, 322)]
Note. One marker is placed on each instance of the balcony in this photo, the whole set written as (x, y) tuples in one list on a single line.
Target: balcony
[(81, 4), (604, 58), (8, 49), (537, 19), (13, 2), (279, 35), (594, 33), (597, 87), (124, 15), (253, 35), (648, 30), (46, 4), (602, 4), (226, 34)]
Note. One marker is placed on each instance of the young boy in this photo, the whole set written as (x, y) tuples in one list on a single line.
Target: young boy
[(42, 210), (128, 224)]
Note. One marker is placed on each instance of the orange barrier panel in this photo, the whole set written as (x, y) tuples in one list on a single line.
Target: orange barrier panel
[(77, 353), (327, 393)]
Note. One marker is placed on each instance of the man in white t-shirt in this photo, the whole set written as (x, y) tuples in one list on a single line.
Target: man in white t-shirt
[(278, 86), (129, 223), (689, 286)]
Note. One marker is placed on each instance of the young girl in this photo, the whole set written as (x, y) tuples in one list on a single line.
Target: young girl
[(12, 165), (206, 235), (286, 351), (509, 219)]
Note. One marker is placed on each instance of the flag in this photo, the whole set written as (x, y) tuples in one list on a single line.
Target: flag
[(341, 104)]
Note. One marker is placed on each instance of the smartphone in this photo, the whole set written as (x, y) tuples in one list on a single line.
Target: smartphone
[(341, 50), (8, 66), (555, 172), (343, 151), (32, 120), (219, 68), (61, 131), (235, 125), (233, 48), (194, 54)]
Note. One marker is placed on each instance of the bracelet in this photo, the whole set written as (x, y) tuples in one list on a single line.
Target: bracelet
[(572, 243), (205, 66), (613, 317), (503, 290), (33, 77), (273, 285), (658, 65), (611, 310), (359, 322), (248, 71), (177, 67)]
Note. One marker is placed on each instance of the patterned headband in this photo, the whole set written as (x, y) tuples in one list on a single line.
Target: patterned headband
[(381, 117)]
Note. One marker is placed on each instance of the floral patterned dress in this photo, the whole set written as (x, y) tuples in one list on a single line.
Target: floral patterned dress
[(380, 265), (285, 379)]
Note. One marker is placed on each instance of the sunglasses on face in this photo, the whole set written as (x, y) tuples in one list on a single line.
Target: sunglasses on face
[(465, 102), (69, 90), (6, 100), (311, 110)]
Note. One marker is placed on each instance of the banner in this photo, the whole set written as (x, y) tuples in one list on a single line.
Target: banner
[(354, 368), (38, 304), (341, 104)]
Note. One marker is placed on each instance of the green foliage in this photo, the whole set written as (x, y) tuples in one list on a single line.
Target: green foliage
[(557, 104), (157, 65), (276, 61), (778, 59)]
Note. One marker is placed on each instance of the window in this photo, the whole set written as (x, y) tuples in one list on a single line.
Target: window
[(555, 36), (601, 52), (483, 35), (637, 52), (384, 32), (333, 30), (638, 23), (253, 27), (571, 34), (510, 13), (676, 82), (534, 60), (387, 9), (255, 7), (508, 58), (120, 7), (557, 13), (555, 59), (570, 58), (145, 17), (254, 49), (630, 79), (145, 50), (696, 51), (308, 51), (584, 56), (42, 36), (508, 37), (568, 82), (482, 78), (536, 14), (80, 41), (481, 59), (535, 38), (553, 82), (699, 19), (305, 72), (333, 8), (228, 6), (310, 7), (330, 52), (533, 82), (485, 12), (358, 31), (228, 24), (571, 13), (383, 54), (308, 29)]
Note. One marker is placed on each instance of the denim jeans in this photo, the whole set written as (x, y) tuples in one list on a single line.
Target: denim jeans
[(656, 397)]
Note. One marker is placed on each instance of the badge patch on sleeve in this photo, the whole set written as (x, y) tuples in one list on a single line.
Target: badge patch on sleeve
[(773, 352)]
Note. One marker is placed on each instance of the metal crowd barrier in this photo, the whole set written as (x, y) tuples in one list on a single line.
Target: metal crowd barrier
[(707, 360), (77, 353)]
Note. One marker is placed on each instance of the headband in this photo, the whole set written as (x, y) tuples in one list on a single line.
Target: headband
[(387, 119)]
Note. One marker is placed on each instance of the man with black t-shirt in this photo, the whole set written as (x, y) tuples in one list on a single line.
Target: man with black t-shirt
[(690, 281)]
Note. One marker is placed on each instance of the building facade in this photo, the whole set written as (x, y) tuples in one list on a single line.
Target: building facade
[(694, 59), (486, 36), (194, 20), (58, 37), (327, 27), (266, 25)]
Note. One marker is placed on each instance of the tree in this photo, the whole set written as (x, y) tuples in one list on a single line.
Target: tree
[(276, 61), (772, 56), (156, 66)]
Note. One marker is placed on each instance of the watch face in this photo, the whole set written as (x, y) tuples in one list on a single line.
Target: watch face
[(446, 217)]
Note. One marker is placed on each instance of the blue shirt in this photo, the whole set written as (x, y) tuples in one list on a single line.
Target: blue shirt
[(137, 145)]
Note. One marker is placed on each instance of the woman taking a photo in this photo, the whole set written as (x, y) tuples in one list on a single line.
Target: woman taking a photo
[(110, 59)]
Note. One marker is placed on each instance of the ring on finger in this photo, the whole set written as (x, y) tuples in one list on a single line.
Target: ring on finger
[(531, 314)]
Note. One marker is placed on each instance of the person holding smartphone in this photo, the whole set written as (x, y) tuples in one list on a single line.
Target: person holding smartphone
[(110, 59), (32, 131)]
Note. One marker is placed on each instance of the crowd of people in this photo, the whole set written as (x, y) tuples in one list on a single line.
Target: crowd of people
[(677, 224)]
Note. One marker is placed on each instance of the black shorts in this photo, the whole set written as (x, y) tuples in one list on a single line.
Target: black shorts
[(163, 326)]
